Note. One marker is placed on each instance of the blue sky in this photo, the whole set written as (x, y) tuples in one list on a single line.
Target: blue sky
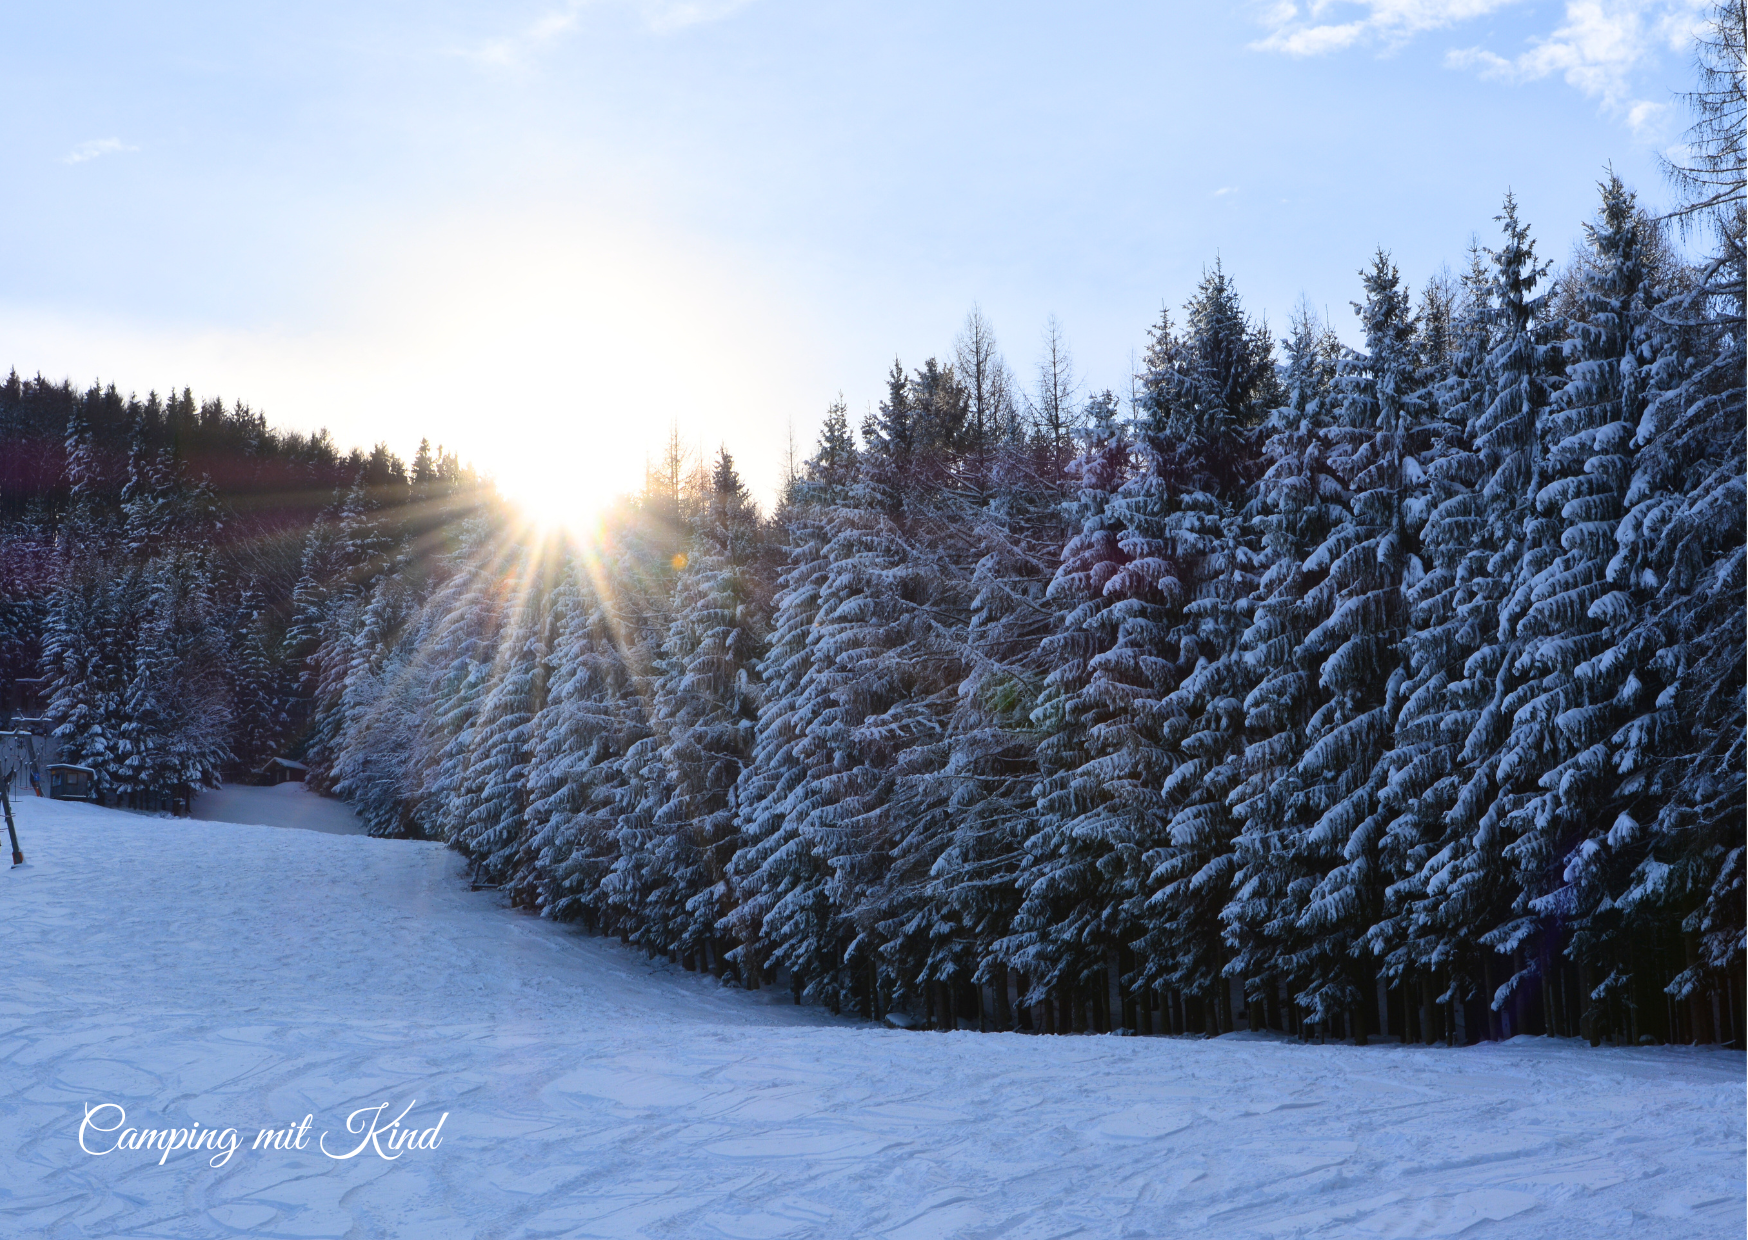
[(541, 233)]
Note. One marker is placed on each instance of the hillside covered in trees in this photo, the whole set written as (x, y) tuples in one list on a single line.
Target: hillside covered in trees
[(156, 563), (1395, 688)]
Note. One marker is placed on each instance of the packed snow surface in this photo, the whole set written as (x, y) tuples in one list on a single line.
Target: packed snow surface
[(248, 977), (280, 805)]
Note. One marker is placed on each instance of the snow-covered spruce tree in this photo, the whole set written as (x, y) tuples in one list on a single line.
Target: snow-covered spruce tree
[(316, 587), (1386, 437), (384, 699), (889, 644), (1561, 730), (963, 789), (1084, 871), (175, 710), (1072, 716), (703, 714), (1345, 601), (1297, 503), (461, 626), (1101, 849), (1504, 856), (341, 564), (1435, 913), (640, 606), (493, 793), (1192, 876), (987, 772), (781, 878), (882, 681), (1680, 564), (87, 653), (1365, 561), (178, 705), (259, 720), (559, 744), (1191, 509), (1513, 741), (590, 718), (88, 637), (983, 532)]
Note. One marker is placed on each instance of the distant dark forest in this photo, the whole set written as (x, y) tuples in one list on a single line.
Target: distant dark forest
[(151, 548)]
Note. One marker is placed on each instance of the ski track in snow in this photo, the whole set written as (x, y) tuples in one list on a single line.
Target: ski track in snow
[(247, 976)]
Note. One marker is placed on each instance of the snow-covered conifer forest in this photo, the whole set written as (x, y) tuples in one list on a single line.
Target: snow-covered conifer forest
[(1395, 688)]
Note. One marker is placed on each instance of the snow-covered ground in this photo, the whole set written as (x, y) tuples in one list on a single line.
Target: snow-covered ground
[(247, 977), (281, 805)]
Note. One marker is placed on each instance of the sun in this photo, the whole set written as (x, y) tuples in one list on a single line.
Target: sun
[(550, 512), (552, 501)]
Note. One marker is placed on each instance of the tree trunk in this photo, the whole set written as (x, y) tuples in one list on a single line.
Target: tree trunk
[(1699, 1002), (1587, 1024), (1635, 1009), (1553, 1019), (1128, 1010), (1495, 1018)]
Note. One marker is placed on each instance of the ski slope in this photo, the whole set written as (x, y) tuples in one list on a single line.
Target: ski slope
[(279, 805), (247, 976)]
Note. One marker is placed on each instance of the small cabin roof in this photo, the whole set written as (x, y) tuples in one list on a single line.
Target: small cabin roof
[(286, 763), (68, 766)]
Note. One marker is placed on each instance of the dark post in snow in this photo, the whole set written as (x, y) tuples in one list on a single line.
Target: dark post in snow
[(6, 803)]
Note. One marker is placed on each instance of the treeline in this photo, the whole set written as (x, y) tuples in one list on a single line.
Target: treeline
[(149, 550), (1397, 688), (1340, 691)]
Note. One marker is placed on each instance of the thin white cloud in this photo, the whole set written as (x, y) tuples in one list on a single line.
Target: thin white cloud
[(1303, 31), (659, 16), (1223, 191), (1597, 51), (512, 49), (96, 149), (665, 15)]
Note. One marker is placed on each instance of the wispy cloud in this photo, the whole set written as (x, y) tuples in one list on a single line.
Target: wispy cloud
[(1307, 31), (666, 15), (659, 16), (96, 149), (1597, 50), (1223, 191)]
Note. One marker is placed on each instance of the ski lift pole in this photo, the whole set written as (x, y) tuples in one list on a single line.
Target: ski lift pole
[(11, 830), (35, 770)]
